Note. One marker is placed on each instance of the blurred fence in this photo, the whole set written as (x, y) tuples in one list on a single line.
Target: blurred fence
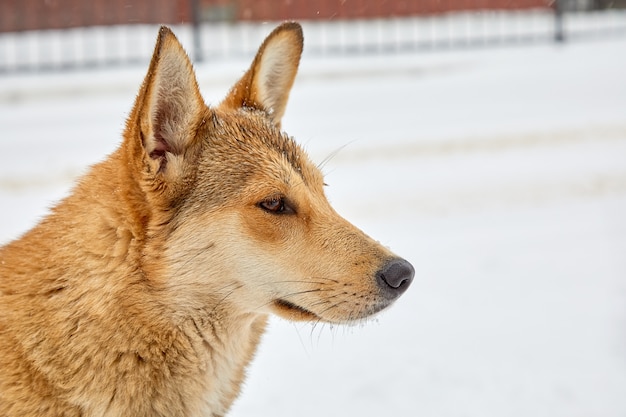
[(37, 35)]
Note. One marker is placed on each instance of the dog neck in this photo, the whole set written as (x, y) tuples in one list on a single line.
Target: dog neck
[(194, 340)]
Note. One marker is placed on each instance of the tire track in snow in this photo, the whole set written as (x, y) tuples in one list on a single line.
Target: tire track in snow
[(475, 192), (499, 143), (530, 194)]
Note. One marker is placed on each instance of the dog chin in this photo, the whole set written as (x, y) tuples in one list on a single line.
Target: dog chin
[(293, 312)]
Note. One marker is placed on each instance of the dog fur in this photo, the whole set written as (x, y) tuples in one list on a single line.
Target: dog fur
[(146, 290)]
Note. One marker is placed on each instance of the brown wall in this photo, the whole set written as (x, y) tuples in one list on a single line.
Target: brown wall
[(19, 15), (351, 9)]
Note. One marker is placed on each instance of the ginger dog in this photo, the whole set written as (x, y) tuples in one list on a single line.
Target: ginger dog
[(145, 291)]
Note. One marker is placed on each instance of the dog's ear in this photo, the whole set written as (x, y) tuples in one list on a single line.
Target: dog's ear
[(267, 83), (169, 103)]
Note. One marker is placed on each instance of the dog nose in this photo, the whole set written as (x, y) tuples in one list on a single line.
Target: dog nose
[(395, 277)]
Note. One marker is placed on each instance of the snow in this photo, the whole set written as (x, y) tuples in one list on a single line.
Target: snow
[(499, 173)]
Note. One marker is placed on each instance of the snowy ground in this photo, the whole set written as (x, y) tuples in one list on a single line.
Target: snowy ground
[(500, 174)]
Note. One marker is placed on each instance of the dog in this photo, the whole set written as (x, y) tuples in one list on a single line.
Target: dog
[(146, 290)]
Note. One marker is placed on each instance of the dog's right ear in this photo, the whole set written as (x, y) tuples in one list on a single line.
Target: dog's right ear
[(169, 106), (268, 81)]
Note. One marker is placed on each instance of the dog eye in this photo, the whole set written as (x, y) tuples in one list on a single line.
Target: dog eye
[(276, 205)]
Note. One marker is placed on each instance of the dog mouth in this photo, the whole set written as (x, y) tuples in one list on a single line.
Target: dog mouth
[(294, 312), (290, 311)]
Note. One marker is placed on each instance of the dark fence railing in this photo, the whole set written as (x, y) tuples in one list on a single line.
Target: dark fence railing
[(37, 35)]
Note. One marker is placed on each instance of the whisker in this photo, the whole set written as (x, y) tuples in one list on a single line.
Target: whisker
[(300, 338), (306, 292), (239, 286), (333, 154), (295, 282), (332, 306)]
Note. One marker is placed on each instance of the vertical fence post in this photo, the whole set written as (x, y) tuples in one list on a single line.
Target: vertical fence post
[(195, 28), (559, 36)]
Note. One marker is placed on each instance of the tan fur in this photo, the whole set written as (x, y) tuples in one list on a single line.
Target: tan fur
[(145, 292)]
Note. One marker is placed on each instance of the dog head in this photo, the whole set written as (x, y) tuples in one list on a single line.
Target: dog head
[(238, 219)]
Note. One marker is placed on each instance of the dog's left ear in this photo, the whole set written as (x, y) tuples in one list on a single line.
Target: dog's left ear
[(267, 83), (169, 103)]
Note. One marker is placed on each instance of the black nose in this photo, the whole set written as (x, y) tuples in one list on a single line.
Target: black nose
[(395, 277)]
